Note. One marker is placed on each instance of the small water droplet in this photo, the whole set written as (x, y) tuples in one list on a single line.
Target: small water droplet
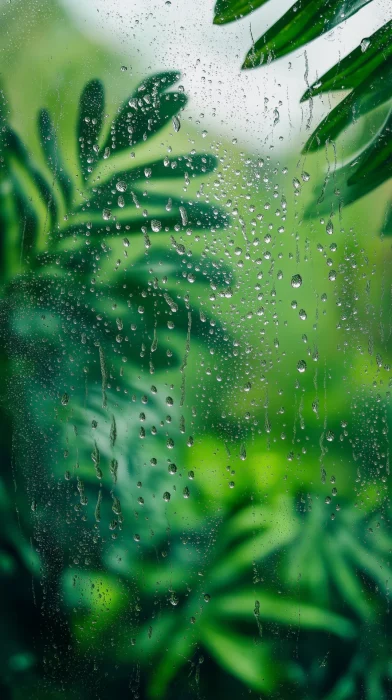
[(365, 43), (296, 281), (156, 225), (176, 123)]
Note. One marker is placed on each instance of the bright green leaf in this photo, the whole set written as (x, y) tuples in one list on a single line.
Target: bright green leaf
[(355, 68), (91, 110), (229, 10), (304, 21), (252, 663)]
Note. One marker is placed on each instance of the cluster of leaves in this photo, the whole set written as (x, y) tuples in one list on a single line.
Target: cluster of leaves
[(62, 256), (219, 601), (90, 296), (365, 74)]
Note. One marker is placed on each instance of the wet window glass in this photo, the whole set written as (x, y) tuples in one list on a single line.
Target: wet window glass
[(195, 339)]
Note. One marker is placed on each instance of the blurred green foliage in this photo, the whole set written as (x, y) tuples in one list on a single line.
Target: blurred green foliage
[(185, 515)]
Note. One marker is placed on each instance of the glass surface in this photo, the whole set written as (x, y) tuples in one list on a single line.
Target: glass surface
[(195, 338)]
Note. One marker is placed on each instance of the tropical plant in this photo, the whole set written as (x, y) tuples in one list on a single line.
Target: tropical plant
[(365, 75), (93, 304), (272, 571)]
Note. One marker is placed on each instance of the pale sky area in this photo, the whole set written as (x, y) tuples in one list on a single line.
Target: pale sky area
[(156, 34)]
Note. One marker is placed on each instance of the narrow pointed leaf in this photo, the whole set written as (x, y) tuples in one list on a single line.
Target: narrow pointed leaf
[(369, 95), (238, 654), (355, 68), (230, 10), (91, 111), (16, 149), (240, 604), (147, 111), (52, 154), (387, 226), (304, 21), (28, 220), (174, 266), (346, 580), (376, 161), (121, 183), (336, 192)]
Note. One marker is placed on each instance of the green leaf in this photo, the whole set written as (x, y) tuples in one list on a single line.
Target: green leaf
[(375, 567), (91, 111), (52, 154), (253, 664), (355, 68), (257, 548), (345, 580), (174, 266), (304, 21), (344, 689), (376, 161), (240, 604), (27, 218), (3, 119), (387, 226), (148, 110), (164, 169), (17, 150), (336, 193), (177, 652), (348, 185), (188, 214), (158, 171), (372, 93), (229, 10)]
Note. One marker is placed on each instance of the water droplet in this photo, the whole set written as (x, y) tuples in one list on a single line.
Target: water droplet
[(329, 227), (156, 225), (106, 214), (365, 43), (176, 123), (184, 216), (296, 281), (166, 496), (301, 366), (121, 186)]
